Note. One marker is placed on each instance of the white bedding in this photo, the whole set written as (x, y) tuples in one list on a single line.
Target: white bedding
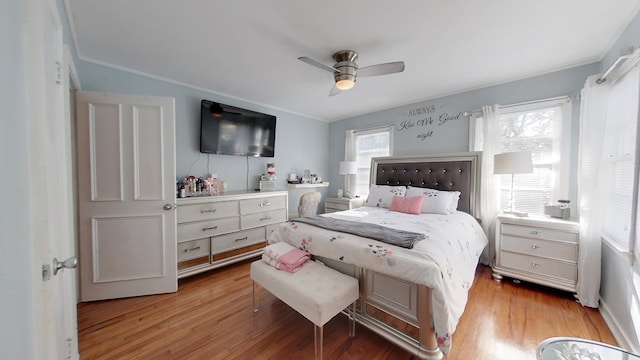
[(445, 261)]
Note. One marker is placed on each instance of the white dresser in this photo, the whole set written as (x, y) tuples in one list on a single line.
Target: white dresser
[(538, 249), (214, 231), (334, 204)]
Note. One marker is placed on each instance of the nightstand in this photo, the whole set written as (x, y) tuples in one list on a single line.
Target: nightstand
[(333, 204), (538, 249)]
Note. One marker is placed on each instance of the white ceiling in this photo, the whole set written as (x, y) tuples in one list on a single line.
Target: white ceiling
[(248, 49)]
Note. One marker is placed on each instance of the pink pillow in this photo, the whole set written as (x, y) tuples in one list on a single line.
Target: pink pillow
[(407, 205)]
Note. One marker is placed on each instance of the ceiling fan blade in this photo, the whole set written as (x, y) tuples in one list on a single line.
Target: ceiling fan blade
[(334, 91), (318, 64), (381, 69)]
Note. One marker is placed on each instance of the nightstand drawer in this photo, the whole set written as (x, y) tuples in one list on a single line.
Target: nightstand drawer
[(342, 203), (537, 247), (538, 265), (539, 233), (337, 206)]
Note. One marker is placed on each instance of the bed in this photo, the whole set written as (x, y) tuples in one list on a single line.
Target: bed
[(411, 295)]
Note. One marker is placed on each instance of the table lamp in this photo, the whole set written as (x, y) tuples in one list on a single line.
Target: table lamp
[(348, 168), (512, 163)]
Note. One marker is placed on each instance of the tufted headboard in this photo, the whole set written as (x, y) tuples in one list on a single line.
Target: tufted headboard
[(448, 172)]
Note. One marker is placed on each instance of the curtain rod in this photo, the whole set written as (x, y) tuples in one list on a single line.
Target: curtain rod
[(355, 131), (630, 52), (615, 64)]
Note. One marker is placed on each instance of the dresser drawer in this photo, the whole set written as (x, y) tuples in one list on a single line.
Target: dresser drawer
[(237, 240), (251, 206), (205, 211), (193, 249), (538, 247), (263, 218), (538, 233), (197, 230), (538, 265)]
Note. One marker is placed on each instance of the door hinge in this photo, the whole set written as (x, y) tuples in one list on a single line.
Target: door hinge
[(46, 272), (59, 76)]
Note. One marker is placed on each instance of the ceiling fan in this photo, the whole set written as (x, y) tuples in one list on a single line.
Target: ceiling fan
[(346, 69)]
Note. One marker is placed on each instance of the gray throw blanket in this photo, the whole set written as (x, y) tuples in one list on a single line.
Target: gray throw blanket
[(405, 239)]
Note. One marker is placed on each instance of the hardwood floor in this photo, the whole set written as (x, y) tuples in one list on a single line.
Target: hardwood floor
[(211, 317)]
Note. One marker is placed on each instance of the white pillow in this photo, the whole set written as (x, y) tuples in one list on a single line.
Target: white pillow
[(382, 195), (454, 201), (436, 201)]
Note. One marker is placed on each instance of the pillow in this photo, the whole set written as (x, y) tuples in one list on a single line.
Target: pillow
[(454, 201), (382, 195), (407, 205), (435, 202)]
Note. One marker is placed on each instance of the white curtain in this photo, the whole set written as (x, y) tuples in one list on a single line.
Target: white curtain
[(488, 185), (591, 179)]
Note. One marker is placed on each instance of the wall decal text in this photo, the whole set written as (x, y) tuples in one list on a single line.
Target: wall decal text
[(424, 119)]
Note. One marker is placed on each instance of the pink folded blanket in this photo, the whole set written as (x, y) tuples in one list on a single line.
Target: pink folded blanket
[(284, 257)]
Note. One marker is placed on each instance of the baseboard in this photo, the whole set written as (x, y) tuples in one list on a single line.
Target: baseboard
[(617, 331)]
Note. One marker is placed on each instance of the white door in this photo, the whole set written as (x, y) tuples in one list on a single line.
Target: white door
[(126, 195)]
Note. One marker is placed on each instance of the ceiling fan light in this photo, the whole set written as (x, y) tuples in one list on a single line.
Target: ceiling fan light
[(345, 84)]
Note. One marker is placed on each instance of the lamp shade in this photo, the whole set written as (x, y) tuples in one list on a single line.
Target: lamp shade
[(518, 162), (348, 168)]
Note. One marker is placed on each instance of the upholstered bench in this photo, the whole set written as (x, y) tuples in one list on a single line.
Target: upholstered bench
[(315, 291)]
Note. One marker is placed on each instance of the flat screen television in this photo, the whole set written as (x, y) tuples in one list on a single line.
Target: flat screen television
[(229, 130)]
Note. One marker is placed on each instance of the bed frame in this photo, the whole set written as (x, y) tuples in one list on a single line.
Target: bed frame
[(398, 310)]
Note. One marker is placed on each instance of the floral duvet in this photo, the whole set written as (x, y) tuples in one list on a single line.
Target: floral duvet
[(445, 260)]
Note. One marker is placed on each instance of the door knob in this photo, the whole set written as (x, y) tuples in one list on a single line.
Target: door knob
[(70, 263), (167, 207)]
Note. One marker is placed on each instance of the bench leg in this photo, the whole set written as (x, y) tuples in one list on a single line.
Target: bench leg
[(317, 334), (255, 298), (352, 320)]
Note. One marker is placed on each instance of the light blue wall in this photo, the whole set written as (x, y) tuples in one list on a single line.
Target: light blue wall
[(301, 143), (453, 135)]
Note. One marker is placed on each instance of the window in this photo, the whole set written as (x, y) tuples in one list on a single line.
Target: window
[(361, 146), (543, 128), (619, 149)]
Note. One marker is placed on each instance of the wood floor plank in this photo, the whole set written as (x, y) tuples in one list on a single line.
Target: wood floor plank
[(211, 317)]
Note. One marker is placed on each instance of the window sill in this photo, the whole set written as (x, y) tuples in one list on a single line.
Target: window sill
[(619, 249)]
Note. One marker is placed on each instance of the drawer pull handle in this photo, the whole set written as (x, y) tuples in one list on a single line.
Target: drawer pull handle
[(535, 247), (535, 265), (536, 232), (192, 249), (209, 228), (265, 218), (241, 239), (266, 203), (208, 211)]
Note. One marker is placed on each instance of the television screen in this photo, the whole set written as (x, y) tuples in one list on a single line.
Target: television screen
[(230, 130)]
